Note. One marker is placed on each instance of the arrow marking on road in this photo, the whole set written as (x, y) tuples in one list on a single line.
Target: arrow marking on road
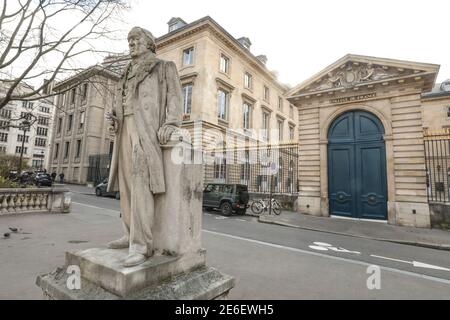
[(321, 246), (416, 264)]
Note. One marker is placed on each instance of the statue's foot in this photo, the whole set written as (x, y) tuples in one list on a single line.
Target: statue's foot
[(134, 259), (122, 243)]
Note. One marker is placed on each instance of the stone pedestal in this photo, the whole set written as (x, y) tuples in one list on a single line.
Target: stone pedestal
[(161, 277), (176, 271)]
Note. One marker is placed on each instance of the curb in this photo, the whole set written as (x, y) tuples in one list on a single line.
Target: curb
[(437, 246)]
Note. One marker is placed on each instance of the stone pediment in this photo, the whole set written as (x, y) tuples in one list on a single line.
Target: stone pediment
[(354, 70)]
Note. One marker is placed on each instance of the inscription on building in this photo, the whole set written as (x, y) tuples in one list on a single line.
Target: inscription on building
[(354, 98)]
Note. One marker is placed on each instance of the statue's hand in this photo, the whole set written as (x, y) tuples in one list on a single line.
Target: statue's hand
[(165, 132)]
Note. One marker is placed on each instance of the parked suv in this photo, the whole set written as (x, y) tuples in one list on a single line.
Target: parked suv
[(228, 198)]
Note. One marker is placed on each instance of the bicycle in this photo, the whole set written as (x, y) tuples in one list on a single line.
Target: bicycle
[(261, 205)]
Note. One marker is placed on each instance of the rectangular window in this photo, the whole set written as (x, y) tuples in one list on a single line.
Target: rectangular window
[(280, 130), (245, 168), (66, 149), (82, 118), (187, 98), (78, 151), (3, 137), (224, 64), (248, 80), (291, 133), (266, 93), (222, 104), (59, 125), (4, 125), (56, 151), (25, 115), (69, 122), (20, 138), (42, 131), (2, 149), (39, 142), (188, 56), (247, 110), (72, 95), (265, 126), (43, 121), (84, 89), (5, 113), (45, 109), (19, 150), (280, 103)]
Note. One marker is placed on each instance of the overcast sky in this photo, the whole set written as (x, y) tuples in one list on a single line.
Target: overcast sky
[(300, 38)]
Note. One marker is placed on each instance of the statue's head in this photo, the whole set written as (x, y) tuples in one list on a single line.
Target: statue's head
[(140, 41)]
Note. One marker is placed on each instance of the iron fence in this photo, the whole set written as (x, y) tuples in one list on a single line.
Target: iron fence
[(256, 167), (437, 159), (98, 168)]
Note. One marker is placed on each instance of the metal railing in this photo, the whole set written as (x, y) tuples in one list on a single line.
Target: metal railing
[(256, 166), (437, 160)]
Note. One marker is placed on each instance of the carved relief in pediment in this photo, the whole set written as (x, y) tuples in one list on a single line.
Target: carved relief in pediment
[(352, 74)]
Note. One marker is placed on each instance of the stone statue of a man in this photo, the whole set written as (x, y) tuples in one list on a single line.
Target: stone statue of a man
[(150, 110)]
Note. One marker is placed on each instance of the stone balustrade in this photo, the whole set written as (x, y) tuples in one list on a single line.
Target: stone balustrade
[(14, 201)]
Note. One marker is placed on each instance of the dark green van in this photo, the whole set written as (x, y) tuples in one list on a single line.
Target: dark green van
[(228, 198)]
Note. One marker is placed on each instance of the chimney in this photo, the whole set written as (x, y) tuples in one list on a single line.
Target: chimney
[(176, 23), (245, 42), (262, 58)]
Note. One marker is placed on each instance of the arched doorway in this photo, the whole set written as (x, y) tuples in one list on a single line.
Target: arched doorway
[(357, 182)]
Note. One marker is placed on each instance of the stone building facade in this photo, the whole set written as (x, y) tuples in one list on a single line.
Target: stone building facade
[(225, 87), (358, 124), (361, 140), (37, 137), (79, 125)]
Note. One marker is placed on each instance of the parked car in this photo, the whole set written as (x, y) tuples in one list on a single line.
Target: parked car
[(43, 179), (101, 190), (228, 198)]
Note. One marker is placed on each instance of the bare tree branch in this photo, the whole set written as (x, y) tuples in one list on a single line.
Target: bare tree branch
[(29, 40)]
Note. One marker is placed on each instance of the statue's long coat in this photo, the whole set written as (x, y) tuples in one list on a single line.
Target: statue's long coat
[(157, 102)]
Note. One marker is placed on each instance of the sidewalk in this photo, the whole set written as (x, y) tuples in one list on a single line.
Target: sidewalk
[(430, 238)]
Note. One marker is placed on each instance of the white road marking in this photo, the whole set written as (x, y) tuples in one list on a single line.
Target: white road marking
[(318, 248), (321, 246), (385, 258), (241, 220), (366, 264), (94, 207), (416, 264), (428, 266), (221, 218)]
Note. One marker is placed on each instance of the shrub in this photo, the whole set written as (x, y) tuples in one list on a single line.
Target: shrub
[(5, 183), (10, 163)]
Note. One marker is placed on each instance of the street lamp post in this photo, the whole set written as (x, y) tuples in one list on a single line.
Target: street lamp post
[(25, 124)]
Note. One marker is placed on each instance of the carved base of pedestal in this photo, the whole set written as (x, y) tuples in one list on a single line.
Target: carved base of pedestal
[(160, 278)]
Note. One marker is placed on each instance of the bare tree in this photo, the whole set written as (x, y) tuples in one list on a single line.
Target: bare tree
[(34, 47)]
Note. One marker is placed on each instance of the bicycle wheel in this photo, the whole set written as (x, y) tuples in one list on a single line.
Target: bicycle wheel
[(257, 207), (276, 207)]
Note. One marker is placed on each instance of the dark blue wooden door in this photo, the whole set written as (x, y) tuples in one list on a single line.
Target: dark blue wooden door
[(357, 167)]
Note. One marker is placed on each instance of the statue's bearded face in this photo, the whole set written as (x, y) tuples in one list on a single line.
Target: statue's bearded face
[(137, 43)]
